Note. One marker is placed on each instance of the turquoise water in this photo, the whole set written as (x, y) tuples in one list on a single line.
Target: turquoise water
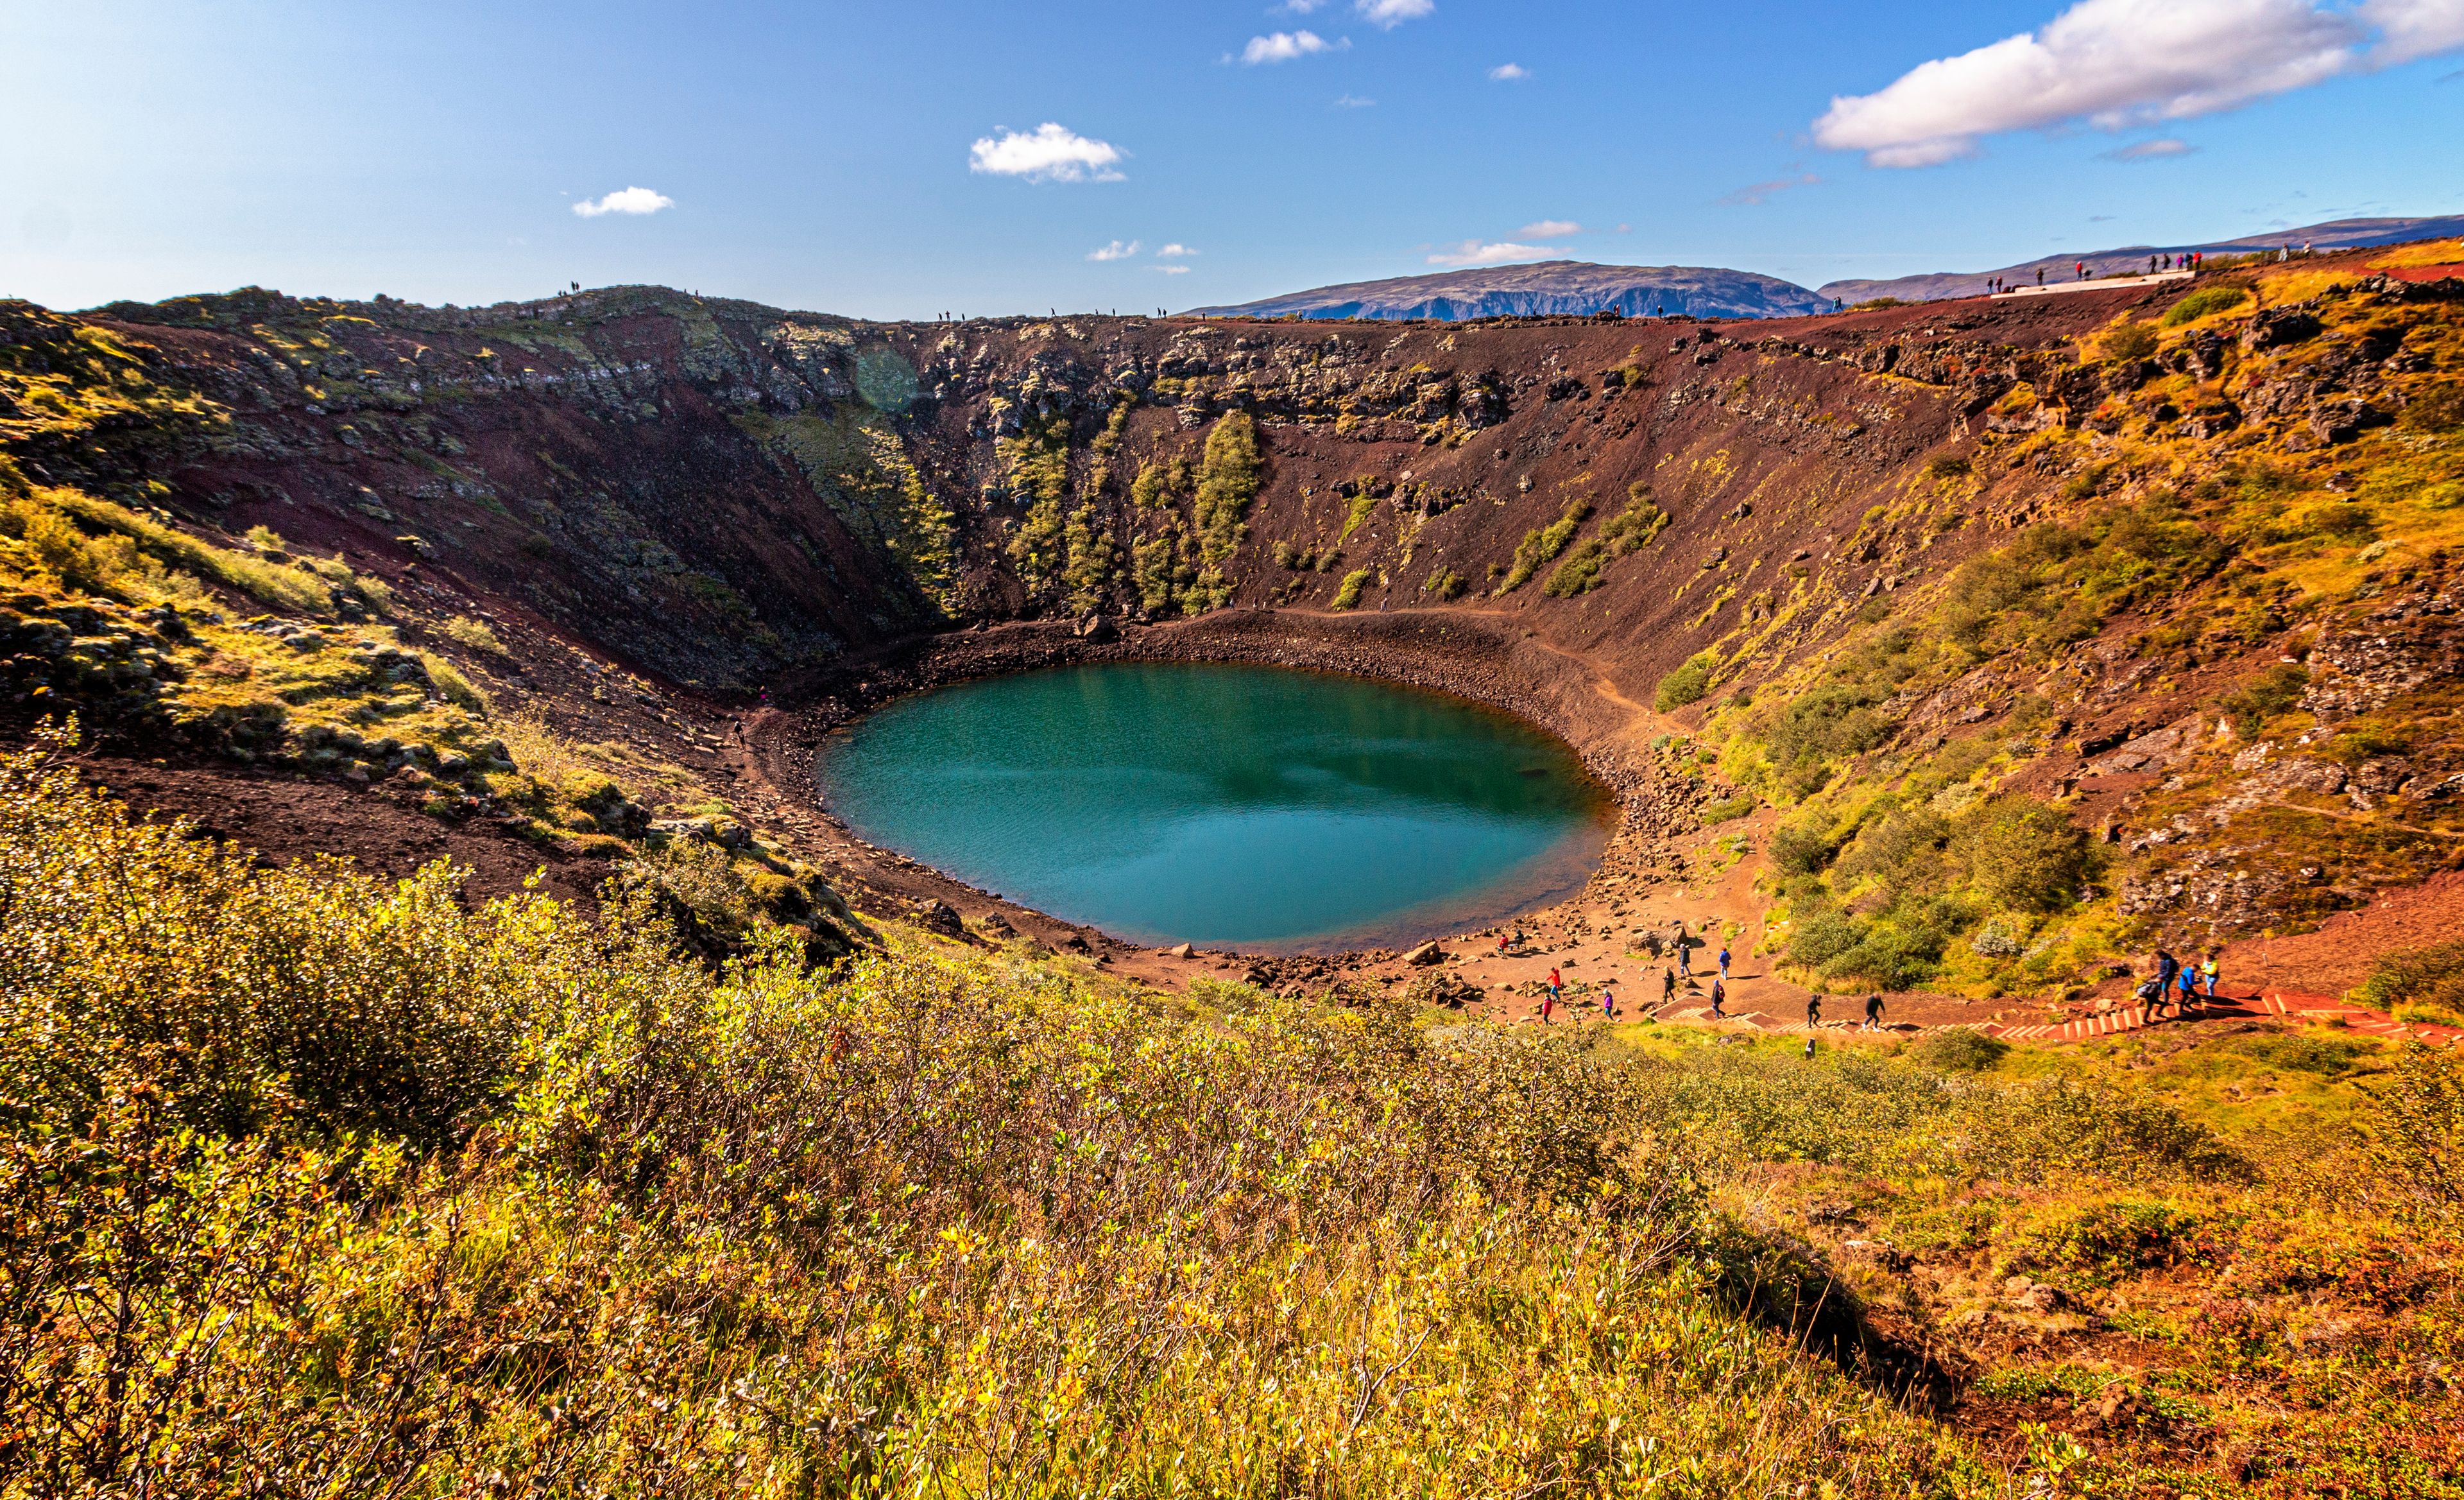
[(1229, 806)]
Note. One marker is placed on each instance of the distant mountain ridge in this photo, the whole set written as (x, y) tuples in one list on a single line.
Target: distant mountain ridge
[(2340, 234), (1550, 288)]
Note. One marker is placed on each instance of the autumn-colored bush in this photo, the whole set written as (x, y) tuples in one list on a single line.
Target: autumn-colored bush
[(315, 1184)]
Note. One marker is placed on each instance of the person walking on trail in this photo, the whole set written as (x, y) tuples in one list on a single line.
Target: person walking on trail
[(1874, 1012), (2166, 966), (2040, 275), (1684, 955), (1813, 1011), (1723, 960), (1548, 1003), (1608, 1003), (2189, 982), (1557, 989), (1719, 994), (1668, 986), (2208, 976)]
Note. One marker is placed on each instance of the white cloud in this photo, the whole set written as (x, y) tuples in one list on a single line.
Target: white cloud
[(1170, 271), (1353, 101), (1285, 46), (1116, 251), (2150, 150), (1472, 253), (1050, 154), (2410, 29), (1300, 6), (1509, 73), (1550, 229), (1176, 251), (1391, 14), (2117, 63), (630, 200)]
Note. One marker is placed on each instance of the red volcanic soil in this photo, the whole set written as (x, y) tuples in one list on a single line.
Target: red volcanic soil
[(286, 819)]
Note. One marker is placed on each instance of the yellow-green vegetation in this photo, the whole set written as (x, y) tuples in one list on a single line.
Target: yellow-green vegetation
[(2128, 340), (2423, 986), (473, 634), (62, 382), (1228, 476), (2204, 303), (314, 1177), (1690, 683), (1447, 585), (1627, 531), (2194, 1264), (1347, 594), (328, 1179), (70, 539), (855, 461), (1899, 864), (1542, 545), (1363, 506)]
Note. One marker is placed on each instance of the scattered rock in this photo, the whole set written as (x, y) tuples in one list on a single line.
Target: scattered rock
[(1426, 954), (939, 917)]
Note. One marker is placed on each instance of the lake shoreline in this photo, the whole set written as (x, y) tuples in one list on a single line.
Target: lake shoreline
[(1489, 661)]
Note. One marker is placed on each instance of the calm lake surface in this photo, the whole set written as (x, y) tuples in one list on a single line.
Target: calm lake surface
[(1231, 806)]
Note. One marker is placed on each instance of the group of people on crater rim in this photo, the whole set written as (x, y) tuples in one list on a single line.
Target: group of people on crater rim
[(2186, 986)]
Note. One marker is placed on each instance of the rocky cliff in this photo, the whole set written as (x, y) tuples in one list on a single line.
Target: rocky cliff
[(2174, 574)]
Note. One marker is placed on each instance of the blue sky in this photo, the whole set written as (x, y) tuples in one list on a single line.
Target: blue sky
[(826, 155)]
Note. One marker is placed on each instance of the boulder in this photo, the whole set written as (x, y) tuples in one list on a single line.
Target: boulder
[(1179, 950), (1425, 954), (939, 917)]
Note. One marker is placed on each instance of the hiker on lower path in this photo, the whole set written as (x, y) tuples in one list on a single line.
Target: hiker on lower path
[(2208, 976), (2189, 984), (1813, 1011), (1723, 960), (1874, 1012), (1684, 955), (1557, 989), (1668, 986), (1608, 1003), (2157, 990), (1718, 993), (1548, 1003)]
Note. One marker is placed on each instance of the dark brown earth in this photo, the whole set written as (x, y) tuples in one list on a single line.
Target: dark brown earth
[(600, 478)]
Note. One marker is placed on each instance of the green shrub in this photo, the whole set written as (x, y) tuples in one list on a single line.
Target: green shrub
[(1544, 545), (1822, 938), (474, 634), (2023, 857), (1948, 466), (1446, 584), (2329, 1058), (2128, 340), (449, 683), (2433, 976), (2435, 408), (1228, 476), (1958, 1049), (1729, 809), (1580, 571), (2200, 303), (2414, 1123), (2101, 1242), (2264, 696), (1690, 683), (1347, 594), (1802, 846)]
